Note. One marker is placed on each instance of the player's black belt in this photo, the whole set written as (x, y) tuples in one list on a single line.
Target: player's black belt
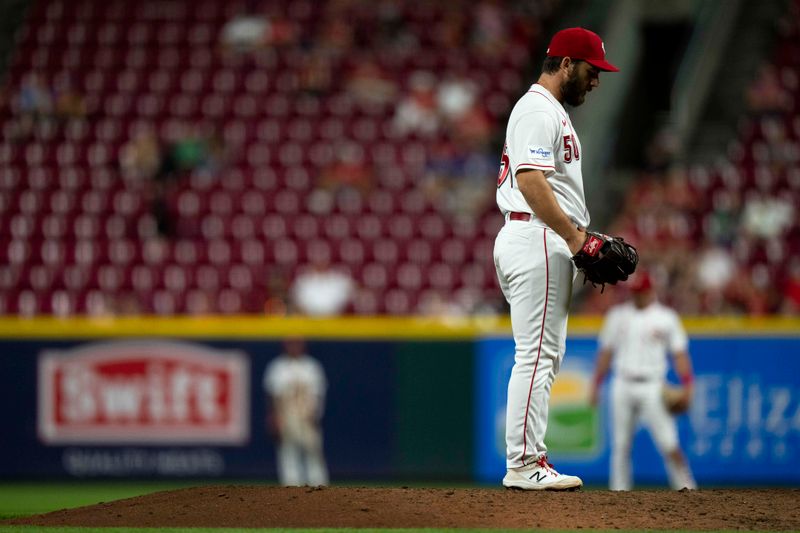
[(519, 216)]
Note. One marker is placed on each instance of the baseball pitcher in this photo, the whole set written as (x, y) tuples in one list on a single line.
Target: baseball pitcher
[(544, 243)]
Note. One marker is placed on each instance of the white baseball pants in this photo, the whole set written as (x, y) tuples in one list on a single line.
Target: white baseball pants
[(634, 401), (536, 272), (301, 460), (298, 466)]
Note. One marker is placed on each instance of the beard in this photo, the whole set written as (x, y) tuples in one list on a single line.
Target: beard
[(574, 90)]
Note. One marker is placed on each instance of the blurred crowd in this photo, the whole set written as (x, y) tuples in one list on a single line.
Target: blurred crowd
[(39, 108), (211, 157), (326, 113), (725, 238)]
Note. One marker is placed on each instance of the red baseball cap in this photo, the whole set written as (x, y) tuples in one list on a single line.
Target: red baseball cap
[(641, 282), (580, 43)]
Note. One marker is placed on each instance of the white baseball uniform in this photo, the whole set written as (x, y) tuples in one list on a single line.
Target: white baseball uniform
[(534, 264), (297, 386), (640, 341)]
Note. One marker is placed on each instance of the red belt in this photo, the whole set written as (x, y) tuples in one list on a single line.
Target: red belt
[(519, 216)]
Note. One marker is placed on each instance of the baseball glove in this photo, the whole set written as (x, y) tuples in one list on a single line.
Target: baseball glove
[(675, 399), (604, 259)]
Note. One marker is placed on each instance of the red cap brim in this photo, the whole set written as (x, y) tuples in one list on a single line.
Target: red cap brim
[(602, 64)]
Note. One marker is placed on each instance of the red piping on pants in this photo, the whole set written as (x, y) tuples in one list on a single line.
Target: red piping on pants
[(539, 351)]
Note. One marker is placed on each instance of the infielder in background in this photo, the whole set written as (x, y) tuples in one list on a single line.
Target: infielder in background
[(635, 339), (540, 193), (295, 385)]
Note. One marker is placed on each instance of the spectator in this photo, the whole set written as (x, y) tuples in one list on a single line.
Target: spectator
[(315, 76), (281, 31), (751, 294), (348, 171), (455, 97), (188, 150), (463, 113), (215, 151), (766, 216), (715, 268), (722, 224), (140, 157), (791, 289), (322, 290), (31, 105), (473, 128), (277, 302), (370, 85), (453, 179), (69, 103), (245, 33), (417, 113), (34, 97)]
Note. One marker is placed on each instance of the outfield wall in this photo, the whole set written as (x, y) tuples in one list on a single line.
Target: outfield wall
[(408, 399)]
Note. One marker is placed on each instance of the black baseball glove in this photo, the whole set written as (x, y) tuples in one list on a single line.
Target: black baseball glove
[(604, 259)]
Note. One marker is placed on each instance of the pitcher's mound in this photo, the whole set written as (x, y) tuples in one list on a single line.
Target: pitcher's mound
[(258, 506)]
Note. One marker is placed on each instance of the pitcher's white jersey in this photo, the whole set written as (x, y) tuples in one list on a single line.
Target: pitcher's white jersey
[(540, 136), (642, 338)]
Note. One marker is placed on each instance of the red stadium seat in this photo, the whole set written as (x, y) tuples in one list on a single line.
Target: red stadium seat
[(376, 276)]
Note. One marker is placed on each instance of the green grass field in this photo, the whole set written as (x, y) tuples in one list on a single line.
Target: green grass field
[(28, 498)]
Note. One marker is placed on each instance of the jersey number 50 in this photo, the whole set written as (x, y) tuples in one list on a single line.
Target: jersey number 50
[(570, 149), (505, 167)]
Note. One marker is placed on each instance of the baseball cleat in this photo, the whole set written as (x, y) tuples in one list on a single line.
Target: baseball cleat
[(540, 476)]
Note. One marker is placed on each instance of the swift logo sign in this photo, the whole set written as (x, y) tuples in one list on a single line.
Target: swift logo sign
[(143, 393)]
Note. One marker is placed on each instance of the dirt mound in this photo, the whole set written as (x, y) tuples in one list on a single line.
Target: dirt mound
[(258, 506)]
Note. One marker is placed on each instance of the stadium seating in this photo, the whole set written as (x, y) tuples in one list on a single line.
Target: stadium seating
[(84, 231), (725, 237), (80, 234)]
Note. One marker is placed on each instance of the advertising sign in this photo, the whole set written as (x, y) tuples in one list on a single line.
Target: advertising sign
[(746, 409), (175, 408), (743, 426), (575, 430), (143, 393)]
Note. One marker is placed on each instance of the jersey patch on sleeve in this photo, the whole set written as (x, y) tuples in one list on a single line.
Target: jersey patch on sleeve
[(540, 155)]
